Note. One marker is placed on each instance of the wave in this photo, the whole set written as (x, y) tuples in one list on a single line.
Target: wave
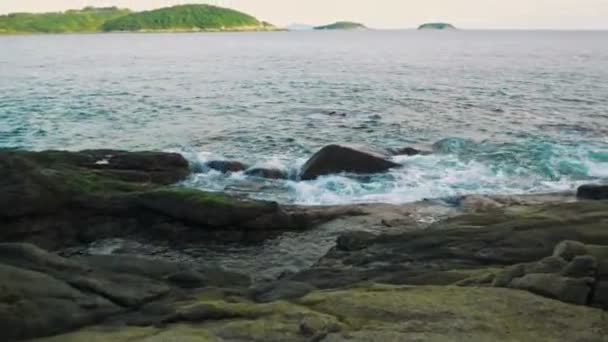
[(457, 167)]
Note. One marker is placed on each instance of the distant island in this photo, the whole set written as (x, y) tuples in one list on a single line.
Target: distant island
[(436, 26), (86, 20), (342, 25), (182, 18)]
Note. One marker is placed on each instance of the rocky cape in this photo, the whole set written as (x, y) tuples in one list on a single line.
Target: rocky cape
[(498, 268)]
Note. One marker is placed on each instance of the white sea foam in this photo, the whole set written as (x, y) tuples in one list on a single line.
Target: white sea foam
[(421, 177)]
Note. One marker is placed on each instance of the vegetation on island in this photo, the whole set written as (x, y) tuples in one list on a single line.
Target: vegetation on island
[(436, 26), (86, 20), (342, 25), (186, 18), (109, 19)]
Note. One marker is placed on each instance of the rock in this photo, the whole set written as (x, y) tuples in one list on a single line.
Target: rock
[(581, 267), (206, 209), (600, 295), (33, 304), (281, 290), (504, 278), (372, 313), (334, 159), (226, 166), (353, 241), (568, 250), (569, 290), (187, 279), (550, 264), (267, 173), (406, 151), (593, 192)]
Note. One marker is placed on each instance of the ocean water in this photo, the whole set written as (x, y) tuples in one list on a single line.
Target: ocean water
[(506, 112)]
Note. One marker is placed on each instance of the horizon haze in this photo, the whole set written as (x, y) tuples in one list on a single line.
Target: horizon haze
[(382, 14)]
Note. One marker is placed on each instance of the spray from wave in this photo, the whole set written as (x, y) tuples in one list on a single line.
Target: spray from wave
[(457, 167)]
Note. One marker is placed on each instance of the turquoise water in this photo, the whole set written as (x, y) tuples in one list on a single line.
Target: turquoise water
[(506, 112)]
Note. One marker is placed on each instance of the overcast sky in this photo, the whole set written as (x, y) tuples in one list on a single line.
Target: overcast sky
[(518, 14)]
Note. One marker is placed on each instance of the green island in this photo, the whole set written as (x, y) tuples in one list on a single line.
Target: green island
[(436, 26), (88, 19), (182, 18), (342, 25)]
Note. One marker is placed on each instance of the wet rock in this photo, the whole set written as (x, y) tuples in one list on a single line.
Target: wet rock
[(406, 151), (267, 173), (226, 166), (353, 241), (334, 159), (593, 192)]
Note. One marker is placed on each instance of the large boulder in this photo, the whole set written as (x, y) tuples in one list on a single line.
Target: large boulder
[(334, 159)]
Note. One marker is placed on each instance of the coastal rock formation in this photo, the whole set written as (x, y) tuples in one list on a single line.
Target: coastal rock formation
[(56, 199), (334, 159), (106, 298), (44, 294), (523, 247), (514, 269)]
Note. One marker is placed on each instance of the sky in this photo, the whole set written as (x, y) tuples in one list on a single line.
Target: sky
[(474, 14)]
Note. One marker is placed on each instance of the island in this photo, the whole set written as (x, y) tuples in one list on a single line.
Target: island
[(436, 26), (181, 18), (86, 20), (342, 25)]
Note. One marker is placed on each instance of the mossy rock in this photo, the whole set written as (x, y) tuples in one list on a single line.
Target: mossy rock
[(371, 312)]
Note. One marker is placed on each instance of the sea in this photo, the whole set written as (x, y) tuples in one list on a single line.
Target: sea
[(503, 112)]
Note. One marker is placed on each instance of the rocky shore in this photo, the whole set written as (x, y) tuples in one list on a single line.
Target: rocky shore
[(489, 269)]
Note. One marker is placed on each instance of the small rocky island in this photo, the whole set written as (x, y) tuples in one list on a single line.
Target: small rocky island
[(497, 268), (342, 25), (436, 26)]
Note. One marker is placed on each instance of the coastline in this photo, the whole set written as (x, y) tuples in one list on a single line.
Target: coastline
[(500, 261), (236, 29)]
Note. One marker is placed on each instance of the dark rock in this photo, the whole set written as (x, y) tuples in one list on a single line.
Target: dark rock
[(505, 277), (353, 241), (123, 289), (568, 250), (334, 159), (581, 267), (406, 151), (600, 295), (187, 279), (34, 304), (550, 264), (226, 166), (281, 290), (569, 290), (593, 192), (267, 173)]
